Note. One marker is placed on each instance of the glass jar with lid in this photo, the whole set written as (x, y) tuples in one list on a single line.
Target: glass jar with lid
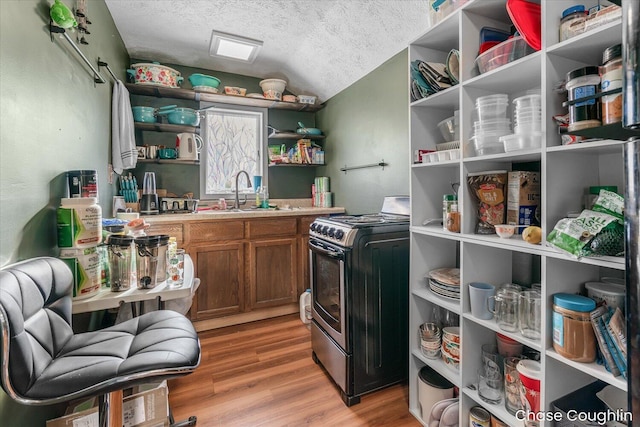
[(611, 79), (572, 21)]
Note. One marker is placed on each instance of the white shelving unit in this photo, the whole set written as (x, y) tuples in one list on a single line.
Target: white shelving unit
[(566, 172)]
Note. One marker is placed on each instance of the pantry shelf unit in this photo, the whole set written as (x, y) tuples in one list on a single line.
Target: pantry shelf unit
[(165, 127), (188, 94), (566, 172)]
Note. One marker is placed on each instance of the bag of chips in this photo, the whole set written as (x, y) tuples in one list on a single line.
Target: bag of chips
[(590, 234), (488, 188)]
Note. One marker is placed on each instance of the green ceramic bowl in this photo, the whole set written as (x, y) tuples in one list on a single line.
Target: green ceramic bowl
[(203, 80)]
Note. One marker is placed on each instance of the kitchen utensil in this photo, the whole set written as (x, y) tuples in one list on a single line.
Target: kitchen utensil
[(144, 114), (167, 153), (307, 131), (479, 296), (149, 200), (273, 88), (506, 309), (120, 262), (181, 116), (490, 385), (530, 314), (62, 15), (188, 146), (512, 385), (147, 248), (154, 74), (525, 16), (203, 80)]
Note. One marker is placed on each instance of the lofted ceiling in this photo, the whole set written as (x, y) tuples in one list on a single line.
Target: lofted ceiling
[(319, 47)]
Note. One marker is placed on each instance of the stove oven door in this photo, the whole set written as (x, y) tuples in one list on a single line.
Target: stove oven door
[(327, 268)]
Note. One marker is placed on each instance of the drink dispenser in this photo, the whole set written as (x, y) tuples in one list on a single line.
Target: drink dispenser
[(147, 248), (120, 262)]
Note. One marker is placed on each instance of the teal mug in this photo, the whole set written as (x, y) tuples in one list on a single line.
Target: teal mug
[(167, 153)]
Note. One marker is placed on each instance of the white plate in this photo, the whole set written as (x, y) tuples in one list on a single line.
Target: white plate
[(255, 95)]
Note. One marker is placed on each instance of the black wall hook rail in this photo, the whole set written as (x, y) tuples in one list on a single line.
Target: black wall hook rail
[(380, 164), (97, 78), (109, 70)]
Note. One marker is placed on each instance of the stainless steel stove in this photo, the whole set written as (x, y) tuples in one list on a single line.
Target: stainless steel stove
[(359, 268)]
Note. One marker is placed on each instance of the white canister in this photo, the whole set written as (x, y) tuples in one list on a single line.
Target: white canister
[(432, 388), (305, 306), (85, 266), (79, 223)]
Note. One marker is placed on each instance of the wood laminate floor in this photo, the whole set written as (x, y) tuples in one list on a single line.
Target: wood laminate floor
[(262, 374)]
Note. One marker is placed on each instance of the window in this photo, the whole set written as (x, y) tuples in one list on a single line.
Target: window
[(234, 140)]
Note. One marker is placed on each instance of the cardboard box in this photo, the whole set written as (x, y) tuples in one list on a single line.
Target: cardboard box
[(146, 406), (523, 199), (78, 413)]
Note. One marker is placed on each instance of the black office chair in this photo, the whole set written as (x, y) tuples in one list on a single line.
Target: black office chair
[(43, 362)]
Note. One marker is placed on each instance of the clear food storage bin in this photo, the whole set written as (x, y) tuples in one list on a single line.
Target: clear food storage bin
[(499, 55)]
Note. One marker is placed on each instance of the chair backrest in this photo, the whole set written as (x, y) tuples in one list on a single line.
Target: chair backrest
[(35, 319)]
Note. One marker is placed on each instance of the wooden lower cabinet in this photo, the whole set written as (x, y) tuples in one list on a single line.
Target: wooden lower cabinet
[(220, 268), (273, 272), (248, 269)]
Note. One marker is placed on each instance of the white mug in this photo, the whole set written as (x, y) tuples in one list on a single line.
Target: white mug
[(188, 146)]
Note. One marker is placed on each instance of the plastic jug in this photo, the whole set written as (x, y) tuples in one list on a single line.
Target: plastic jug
[(305, 307)]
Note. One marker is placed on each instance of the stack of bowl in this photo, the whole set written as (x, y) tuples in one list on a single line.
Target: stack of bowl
[(492, 123), (430, 335), (451, 346), (527, 124)]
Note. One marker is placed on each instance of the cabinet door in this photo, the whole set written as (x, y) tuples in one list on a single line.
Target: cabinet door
[(304, 281), (273, 271), (221, 271)]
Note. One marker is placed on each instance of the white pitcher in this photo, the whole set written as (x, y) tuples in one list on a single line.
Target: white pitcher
[(188, 146)]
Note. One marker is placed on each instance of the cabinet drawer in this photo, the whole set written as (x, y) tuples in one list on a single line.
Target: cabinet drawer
[(173, 230), (272, 227), (216, 231)]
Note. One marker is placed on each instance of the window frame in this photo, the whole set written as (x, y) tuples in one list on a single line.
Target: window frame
[(262, 114)]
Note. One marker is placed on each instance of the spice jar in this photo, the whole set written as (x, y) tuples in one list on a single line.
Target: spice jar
[(582, 83), (611, 78), (572, 21), (450, 214), (573, 335)]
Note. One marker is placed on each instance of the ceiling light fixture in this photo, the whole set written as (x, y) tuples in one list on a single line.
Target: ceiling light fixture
[(234, 47)]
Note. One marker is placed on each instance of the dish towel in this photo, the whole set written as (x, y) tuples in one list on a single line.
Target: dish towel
[(124, 153)]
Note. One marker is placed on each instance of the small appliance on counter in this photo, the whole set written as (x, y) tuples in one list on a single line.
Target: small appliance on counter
[(177, 205), (149, 200)]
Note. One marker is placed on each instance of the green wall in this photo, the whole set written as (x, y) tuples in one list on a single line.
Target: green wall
[(52, 119), (366, 123)]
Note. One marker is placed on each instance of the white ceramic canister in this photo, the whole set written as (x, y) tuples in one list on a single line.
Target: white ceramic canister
[(85, 266), (79, 223)]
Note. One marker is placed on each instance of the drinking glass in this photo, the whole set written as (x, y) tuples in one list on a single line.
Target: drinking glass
[(530, 314), (490, 385), (512, 385), (176, 269)]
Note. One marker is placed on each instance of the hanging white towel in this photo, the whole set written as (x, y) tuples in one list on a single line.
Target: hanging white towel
[(123, 142)]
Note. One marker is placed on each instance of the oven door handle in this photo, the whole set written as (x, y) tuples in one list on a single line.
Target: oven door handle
[(323, 250)]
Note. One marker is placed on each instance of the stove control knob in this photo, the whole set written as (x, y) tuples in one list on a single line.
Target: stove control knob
[(332, 230), (313, 226), (339, 234), (325, 230)]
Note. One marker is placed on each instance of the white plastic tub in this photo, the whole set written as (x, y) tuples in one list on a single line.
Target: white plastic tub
[(521, 141)]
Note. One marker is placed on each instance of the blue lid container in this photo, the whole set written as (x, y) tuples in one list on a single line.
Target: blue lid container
[(574, 302), (573, 9)]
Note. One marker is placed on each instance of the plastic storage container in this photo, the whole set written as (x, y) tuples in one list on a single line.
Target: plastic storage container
[(582, 83), (572, 21), (85, 266), (499, 55), (573, 335), (121, 260), (611, 79), (79, 223), (305, 307), (613, 295)]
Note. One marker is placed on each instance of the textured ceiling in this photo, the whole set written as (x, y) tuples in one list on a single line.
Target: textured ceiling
[(319, 46)]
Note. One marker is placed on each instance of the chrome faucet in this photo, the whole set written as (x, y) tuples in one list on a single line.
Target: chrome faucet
[(237, 201)]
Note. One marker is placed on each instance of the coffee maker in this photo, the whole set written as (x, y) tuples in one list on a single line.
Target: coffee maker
[(149, 200)]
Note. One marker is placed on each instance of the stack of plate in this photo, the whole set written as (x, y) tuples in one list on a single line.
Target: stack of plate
[(445, 282)]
